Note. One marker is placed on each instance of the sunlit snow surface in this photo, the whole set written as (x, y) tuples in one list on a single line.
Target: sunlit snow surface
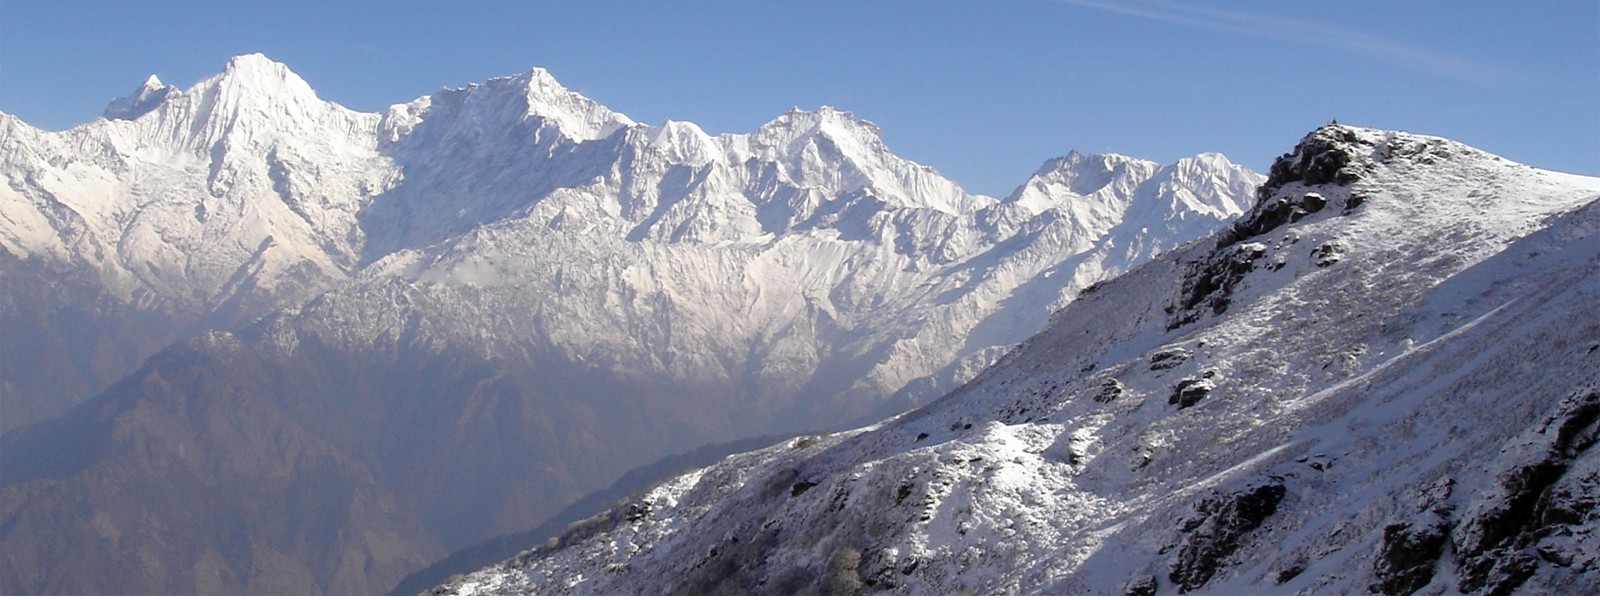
[(1403, 359), (802, 260)]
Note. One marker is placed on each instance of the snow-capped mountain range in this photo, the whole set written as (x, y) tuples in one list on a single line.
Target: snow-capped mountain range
[(246, 194), (1385, 378), (507, 269)]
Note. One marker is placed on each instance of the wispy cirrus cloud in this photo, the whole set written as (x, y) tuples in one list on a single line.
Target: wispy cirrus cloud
[(1303, 31)]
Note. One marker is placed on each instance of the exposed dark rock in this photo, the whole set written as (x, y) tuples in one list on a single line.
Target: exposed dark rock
[(1110, 390), (1497, 545), (1218, 529), (1405, 561), (637, 511), (903, 492), (1167, 358), (911, 565), (1190, 391), (1579, 428), (1290, 572), (1210, 282), (1329, 155), (1317, 462), (1141, 585), (1353, 201), (1328, 253), (1270, 215), (1312, 202)]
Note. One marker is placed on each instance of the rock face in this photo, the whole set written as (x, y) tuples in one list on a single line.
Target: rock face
[(1541, 507), (1220, 526), (466, 311), (1416, 417)]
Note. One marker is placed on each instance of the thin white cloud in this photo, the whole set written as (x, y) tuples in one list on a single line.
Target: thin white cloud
[(1301, 31)]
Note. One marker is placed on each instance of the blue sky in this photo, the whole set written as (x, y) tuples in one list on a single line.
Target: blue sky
[(984, 91)]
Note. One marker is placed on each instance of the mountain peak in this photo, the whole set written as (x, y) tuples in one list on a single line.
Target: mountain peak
[(825, 119), (1341, 154), (145, 98), (253, 99), (1078, 160), (260, 73), (1083, 174), (253, 60), (1089, 185), (542, 76), (683, 141), (797, 128), (574, 115), (257, 73)]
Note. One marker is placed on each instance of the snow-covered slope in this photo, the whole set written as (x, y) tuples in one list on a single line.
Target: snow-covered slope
[(1384, 378), (209, 206), (802, 244), (245, 179), (480, 279)]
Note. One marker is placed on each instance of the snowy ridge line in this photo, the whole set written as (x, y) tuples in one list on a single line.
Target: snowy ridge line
[(246, 195), (1362, 242), (504, 257)]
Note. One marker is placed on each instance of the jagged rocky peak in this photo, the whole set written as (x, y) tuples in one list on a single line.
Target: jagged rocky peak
[(1325, 167), (147, 97), (1325, 162), (1332, 153), (835, 152), (1341, 155), (1200, 167), (256, 101)]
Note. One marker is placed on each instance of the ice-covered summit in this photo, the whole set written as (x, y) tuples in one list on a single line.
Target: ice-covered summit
[(255, 72), (1085, 183), (787, 133), (574, 114), (835, 153), (144, 99)]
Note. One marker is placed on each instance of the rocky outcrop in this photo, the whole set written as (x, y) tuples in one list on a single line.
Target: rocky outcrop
[(1333, 155), (1191, 391), (1409, 552), (1220, 527), (1209, 283), (1167, 358), (1506, 536)]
